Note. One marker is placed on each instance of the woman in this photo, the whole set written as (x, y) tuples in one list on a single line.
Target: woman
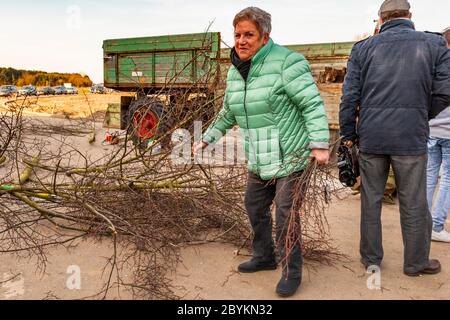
[(272, 96)]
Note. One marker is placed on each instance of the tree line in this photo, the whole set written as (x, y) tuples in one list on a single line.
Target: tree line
[(41, 78)]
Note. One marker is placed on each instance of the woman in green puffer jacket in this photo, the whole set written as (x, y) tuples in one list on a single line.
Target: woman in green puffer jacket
[(272, 96)]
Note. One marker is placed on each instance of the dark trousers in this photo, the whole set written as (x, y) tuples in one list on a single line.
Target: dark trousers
[(258, 200), (415, 218)]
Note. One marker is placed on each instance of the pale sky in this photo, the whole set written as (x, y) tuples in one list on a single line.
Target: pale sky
[(67, 36)]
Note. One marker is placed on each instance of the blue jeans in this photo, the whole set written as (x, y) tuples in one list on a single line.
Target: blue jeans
[(438, 155)]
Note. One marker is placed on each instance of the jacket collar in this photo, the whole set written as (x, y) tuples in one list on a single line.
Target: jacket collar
[(262, 53), (398, 24), (242, 66)]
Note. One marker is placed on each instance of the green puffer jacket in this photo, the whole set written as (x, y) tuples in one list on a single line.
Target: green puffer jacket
[(279, 110)]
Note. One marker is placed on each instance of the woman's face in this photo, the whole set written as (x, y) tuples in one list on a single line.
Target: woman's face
[(248, 40)]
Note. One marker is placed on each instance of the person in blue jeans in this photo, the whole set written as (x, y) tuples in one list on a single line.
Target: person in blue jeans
[(439, 157)]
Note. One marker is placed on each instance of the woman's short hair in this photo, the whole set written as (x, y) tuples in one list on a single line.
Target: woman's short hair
[(389, 15), (260, 18)]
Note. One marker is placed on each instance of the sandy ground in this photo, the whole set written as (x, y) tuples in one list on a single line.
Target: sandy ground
[(208, 271)]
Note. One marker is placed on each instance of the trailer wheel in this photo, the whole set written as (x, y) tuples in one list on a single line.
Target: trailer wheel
[(146, 122)]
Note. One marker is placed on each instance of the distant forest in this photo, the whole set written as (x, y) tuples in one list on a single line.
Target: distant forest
[(40, 78)]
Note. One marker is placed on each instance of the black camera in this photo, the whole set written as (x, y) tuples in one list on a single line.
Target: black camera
[(348, 164)]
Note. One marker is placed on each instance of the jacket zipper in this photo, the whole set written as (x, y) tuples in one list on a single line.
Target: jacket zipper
[(248, 129), (281, 149)]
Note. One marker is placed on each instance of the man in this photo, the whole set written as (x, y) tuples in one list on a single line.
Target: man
[(272, 96), (439, 156), (398, 79)]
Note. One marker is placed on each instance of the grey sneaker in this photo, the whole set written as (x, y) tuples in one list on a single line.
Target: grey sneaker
[(442, 236)]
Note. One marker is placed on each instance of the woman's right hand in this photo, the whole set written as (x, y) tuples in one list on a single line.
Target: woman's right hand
[(198, 147)]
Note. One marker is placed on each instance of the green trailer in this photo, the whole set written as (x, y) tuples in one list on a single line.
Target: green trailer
[(176, 68), (151, 64), (180, 67)]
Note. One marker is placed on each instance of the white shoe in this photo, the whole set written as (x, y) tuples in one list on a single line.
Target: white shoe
[(442, 236)]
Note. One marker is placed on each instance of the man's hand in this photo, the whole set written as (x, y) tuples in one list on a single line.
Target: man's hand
[(348, 143), (198, 147), (322, 155)]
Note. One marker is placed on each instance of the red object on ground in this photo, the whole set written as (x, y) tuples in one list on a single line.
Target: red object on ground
[(112, 138), (109, 137)]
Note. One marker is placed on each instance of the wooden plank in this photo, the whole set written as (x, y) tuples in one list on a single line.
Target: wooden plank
[(136, 68)]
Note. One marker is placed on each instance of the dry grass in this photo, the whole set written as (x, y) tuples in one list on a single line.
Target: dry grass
[(73, 106)]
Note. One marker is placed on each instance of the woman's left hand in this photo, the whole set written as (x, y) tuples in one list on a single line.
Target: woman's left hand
[(322, 155)]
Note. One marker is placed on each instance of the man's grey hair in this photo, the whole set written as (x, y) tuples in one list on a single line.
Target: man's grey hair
[(446, 33), (260, 18)]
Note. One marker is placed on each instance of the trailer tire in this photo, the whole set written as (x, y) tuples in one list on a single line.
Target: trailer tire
[(146, 121)]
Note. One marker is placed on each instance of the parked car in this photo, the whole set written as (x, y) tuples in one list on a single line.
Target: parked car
[(27, 91), (60, 90), (7, 91), (98, 89), (45, 91), (72, 90)]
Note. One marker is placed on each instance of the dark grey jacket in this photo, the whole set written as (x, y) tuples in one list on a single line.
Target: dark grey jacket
[(396, 81)]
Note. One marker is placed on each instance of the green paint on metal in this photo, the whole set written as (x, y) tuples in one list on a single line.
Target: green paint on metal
[(162, 43), (154, 61), (337, 50)]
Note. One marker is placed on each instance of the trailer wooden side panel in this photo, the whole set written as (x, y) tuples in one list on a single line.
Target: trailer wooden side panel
[(163, 61)]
